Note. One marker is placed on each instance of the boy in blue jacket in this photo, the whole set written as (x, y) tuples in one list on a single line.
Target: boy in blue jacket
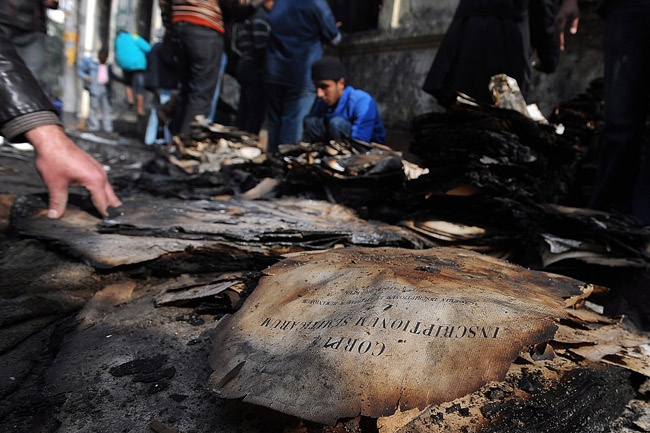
[(341, 111)]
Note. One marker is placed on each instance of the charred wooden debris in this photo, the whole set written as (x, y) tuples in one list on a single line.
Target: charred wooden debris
[(318, 232), (478, 177)]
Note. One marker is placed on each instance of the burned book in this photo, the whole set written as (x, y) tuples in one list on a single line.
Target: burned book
[(77, 234), (349, 172), (322, 334), (488, 225), (161, 232), (591, 236), (206, 293), (531, 234), (581, 119), (292, 224), (500, 152), (212, 146)]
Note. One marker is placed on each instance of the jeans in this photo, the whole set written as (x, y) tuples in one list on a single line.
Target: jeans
[(286, 108), (217, 90), (320, 129), (100, 100), (199, 50), (623, 180), (151, 134)]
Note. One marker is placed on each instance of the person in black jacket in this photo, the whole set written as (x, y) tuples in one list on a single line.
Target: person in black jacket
[(490, 37), (26, 112), (249, 40), (623, 180)]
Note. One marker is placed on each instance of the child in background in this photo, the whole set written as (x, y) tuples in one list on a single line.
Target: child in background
[(131, 55), (97, 76)]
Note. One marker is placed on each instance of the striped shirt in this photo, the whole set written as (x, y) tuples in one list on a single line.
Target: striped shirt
[(198, 12)]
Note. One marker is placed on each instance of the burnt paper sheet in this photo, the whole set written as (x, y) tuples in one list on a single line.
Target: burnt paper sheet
[(301, 223), (352, 331), (146, 228), (76, 232)]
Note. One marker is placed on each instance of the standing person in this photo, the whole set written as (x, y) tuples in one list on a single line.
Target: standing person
[(490, 37), (97, 77), (131, 55), (24, 23), (249, 42), (623, 179), (27, 112), (299, 28), (341, 112), (198, 33), (162, 79)]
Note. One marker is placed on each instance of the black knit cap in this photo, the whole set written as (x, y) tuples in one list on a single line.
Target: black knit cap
[(327, 68)]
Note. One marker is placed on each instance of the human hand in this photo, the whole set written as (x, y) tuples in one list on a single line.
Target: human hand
[(567, 18), (62, 163)]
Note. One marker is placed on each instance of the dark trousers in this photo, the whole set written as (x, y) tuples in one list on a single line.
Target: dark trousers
[(199, 50), (623, 181), (252, 104), (320, 129)]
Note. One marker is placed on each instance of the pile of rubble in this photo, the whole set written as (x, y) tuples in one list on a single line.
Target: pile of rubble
[(483, 178), (344, 286)]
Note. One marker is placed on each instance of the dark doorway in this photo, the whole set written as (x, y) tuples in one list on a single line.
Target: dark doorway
[(356, 15)]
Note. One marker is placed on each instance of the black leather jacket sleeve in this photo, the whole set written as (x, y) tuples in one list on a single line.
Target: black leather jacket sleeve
[(23, 104)]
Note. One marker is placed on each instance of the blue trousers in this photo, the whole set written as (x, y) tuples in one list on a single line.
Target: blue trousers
[(217, 89), (319, 129), (100, 102), (286, 107), (151, 134)]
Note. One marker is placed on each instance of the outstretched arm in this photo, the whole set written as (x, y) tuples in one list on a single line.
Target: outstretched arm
[(27, 111), (567, 19), (62, 163)]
